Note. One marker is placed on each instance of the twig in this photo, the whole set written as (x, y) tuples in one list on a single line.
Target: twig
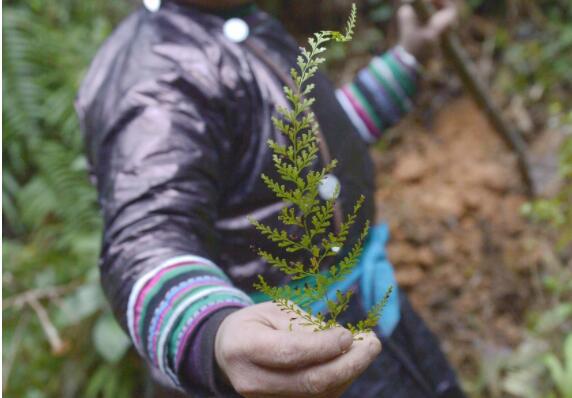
[(13, 350), (461, 62), (51, 292), (50, 330)]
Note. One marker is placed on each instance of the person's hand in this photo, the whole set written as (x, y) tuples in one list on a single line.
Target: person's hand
[(418, 38), (261, 357)]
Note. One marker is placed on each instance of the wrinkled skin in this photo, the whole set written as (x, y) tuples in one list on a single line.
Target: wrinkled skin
[(265, 358)]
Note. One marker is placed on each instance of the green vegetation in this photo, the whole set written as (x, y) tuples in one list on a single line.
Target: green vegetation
[(557, 211), (550, 330), (59, 338), (542, 364), (535, 54)]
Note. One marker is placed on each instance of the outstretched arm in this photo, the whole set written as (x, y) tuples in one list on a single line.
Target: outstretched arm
[(159, 176), (382, 93), (159, 180)]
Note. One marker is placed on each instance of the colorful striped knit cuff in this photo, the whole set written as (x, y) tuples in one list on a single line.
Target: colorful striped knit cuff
[(167, 305), (381, 94)]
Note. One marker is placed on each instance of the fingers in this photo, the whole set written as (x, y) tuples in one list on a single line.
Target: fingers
[(296, 349), (278, 319), (276, 346), (327, 380), (344, 369), (407, 17), (442, 20), (409, 29), (260, 359)]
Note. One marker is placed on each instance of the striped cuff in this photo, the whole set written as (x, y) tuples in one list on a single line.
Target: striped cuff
[(167, 304), (381, 94)]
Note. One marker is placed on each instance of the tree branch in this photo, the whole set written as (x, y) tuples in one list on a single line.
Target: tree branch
[(58, 346), (51, 292), (461, 62)]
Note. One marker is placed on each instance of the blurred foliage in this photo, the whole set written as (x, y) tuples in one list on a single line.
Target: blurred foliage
[(561, 372), (537, 52), (59, 337), (534, 59), (534, 64), (541, 365), (547, 370), (557, 211)]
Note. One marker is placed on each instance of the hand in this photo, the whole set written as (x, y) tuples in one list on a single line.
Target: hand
[(261, 357), (415, 37)]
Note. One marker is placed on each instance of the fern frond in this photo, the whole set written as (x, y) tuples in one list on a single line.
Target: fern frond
[(298, 188), (373, 316)]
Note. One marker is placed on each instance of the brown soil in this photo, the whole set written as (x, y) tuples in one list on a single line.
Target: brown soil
[(452, 196)]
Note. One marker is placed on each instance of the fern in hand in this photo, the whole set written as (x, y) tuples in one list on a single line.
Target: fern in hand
[(298, 188)]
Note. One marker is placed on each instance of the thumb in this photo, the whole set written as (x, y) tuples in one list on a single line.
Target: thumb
[(276, 346), (408, 21)]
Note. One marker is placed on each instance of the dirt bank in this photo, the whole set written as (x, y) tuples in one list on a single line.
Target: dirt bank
[(452, 196)]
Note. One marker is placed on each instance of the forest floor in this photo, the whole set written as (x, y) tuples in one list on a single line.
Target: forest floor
[(469, 260)]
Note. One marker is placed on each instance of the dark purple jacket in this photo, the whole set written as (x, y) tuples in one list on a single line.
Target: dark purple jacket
[(176, 119)]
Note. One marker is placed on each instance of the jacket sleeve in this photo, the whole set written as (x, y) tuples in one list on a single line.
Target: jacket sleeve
[(159, 176), (381, 93)]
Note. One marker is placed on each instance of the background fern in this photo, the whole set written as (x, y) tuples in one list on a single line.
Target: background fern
[(51, 223)]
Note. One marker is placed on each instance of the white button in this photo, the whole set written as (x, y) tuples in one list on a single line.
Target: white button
[(328, 187), (152, 5), (236, 30)]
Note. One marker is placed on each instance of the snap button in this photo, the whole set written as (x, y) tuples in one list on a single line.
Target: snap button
[(236, 30), (152, 5), (328, 187)]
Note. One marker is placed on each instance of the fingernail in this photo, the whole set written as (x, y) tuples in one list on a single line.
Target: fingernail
[(345, 340)]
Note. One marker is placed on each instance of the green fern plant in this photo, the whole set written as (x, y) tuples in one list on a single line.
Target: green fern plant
[(52, 225), (299, 188), (561, 372)]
